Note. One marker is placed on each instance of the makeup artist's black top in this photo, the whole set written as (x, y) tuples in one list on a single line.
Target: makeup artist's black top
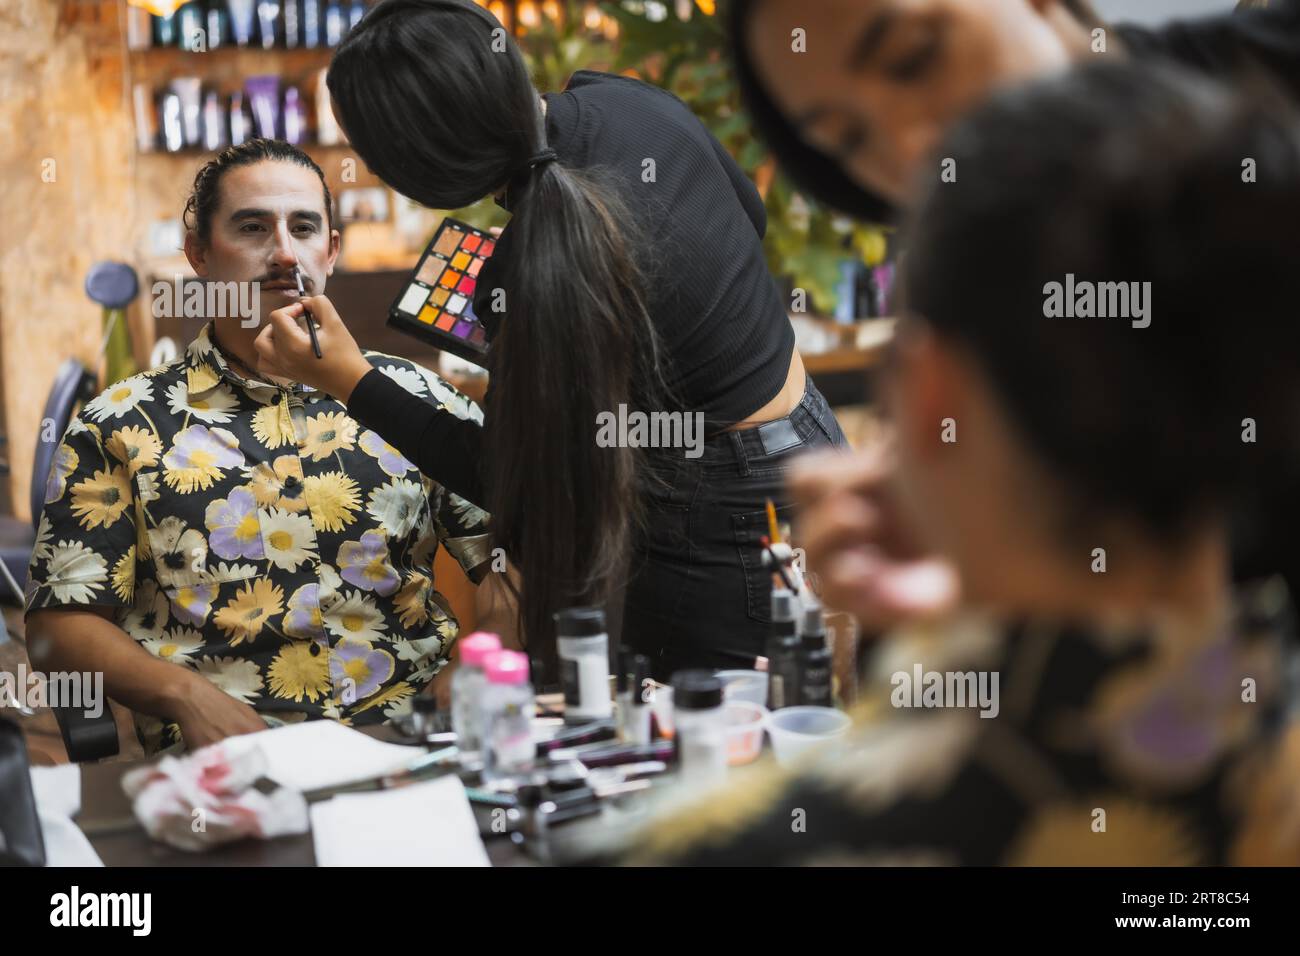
[(716, 308)]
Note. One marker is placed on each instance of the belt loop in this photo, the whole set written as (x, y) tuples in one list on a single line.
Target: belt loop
[(741, 458)]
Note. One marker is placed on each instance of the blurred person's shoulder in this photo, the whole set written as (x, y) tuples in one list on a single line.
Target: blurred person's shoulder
[(1264, 40)]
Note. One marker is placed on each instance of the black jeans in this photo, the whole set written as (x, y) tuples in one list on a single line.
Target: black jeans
[(698, 594)]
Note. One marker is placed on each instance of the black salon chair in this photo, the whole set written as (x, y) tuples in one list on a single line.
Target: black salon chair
[(85, 738), (21, 840), (73, 384)]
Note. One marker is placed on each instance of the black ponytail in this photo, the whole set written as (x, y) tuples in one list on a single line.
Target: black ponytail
[(440, 106)]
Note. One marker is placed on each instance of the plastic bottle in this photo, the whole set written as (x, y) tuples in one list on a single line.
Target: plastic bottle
[(701, 727), (508, 748), (583, 647), (467, 686), (783, 652), (814, 660)]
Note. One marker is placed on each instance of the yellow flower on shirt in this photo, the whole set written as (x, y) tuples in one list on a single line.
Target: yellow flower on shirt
[(327, 433), (271, 427), (248, 612), (297, 673), (134, 447), (272, 487), (413, 600), (332, 497), (124, 575), (99, 501)]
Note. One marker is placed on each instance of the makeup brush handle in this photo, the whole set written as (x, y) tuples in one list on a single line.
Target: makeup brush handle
[(311, 330)]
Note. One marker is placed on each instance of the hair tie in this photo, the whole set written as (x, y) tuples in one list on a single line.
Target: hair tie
[(541, 158)]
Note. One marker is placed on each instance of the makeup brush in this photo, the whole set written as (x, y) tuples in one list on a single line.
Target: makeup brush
[(770, 556), (311, 323)]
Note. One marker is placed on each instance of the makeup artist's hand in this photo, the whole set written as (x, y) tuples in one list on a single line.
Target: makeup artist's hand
[(284, 348), (851, 531)]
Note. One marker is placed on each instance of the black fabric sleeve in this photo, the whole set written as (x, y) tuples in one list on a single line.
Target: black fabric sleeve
[(746, 191), (446, 447)]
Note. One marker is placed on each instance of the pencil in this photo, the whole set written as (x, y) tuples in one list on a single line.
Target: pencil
[(774, 532)]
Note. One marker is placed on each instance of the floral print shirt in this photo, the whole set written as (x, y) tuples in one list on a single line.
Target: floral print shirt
[(1139, 746), (258, 535)]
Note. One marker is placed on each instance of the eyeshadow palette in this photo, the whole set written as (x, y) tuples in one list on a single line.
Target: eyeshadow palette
[(437, 304)]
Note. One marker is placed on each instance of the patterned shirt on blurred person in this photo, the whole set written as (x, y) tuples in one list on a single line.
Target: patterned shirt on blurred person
[(1121, 747)]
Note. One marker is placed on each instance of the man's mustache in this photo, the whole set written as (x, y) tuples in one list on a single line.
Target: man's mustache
[(307, 283)]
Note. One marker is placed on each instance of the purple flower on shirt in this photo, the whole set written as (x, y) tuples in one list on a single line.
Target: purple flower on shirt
[(390, 459), (64, 463), (302, 619), (365, 563), (193, 603), (236, 532), (358, 669)]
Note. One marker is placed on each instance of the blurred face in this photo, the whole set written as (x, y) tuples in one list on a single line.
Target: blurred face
[(880, 80), (954, 451), (270, 216)]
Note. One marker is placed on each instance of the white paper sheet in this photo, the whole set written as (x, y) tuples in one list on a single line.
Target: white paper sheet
[(323, 753), (424, 824), (58, 797)]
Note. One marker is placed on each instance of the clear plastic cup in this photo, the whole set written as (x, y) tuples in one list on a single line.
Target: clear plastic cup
[(798, 731), (745, 723), (744, 685)]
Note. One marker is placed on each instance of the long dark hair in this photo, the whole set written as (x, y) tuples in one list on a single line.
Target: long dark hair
[(440, 106)]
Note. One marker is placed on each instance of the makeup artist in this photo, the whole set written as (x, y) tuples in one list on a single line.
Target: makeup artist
[(631, 274)]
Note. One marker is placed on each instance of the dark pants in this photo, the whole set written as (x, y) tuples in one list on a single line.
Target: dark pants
[(698, 594)]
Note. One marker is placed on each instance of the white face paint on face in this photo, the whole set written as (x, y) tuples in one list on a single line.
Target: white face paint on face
[(270, 215)]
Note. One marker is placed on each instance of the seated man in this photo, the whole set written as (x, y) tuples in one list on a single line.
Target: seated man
[(231, 551)]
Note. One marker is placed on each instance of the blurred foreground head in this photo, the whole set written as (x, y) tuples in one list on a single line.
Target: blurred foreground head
[(1101, 303)]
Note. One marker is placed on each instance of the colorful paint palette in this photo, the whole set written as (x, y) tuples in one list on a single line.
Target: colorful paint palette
[(437, 304)]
